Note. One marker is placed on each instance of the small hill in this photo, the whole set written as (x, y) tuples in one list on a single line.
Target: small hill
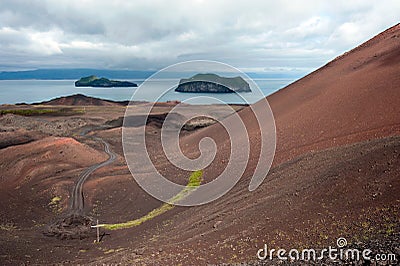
[(82, 100)]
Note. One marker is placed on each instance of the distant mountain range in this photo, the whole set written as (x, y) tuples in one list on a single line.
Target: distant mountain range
[(73, 73), (77, 73)]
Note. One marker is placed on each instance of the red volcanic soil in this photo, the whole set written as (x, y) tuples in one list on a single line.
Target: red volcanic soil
[(335, 174), (16, 137), (50, 151), (39, 168), (355, 97), (322, 186)]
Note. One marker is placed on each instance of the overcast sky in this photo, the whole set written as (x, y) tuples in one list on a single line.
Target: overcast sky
[(149, 35)]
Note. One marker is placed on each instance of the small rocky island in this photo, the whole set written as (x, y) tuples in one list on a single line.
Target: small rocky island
[(212, 83), (93, 81)]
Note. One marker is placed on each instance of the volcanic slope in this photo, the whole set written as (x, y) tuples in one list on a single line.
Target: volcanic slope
[(335, 172)]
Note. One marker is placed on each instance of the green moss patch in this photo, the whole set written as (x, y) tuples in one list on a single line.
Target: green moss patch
[(194, 181)]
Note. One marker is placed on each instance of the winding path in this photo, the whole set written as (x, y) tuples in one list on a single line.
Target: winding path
[(77, 199)]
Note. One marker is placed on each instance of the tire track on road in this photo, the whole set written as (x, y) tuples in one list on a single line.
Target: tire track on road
[(77, 199)]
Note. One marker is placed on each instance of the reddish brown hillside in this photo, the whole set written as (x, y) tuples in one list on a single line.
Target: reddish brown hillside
[(353, 98), (312, 195), (335, 174), (82, 100)]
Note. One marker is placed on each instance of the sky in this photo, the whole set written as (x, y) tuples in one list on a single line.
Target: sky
[(254, 36)]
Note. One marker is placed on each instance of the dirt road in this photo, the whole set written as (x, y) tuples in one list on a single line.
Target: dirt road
[(77, 199)]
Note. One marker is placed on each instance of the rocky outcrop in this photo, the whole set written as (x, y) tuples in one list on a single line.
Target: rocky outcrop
[(203, 87), (93, 81), (212, 83)]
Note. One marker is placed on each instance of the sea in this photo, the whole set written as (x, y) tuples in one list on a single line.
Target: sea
[(34, 91)]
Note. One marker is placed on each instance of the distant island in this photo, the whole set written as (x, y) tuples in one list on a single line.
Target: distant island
[(93, 81), (212, 83)]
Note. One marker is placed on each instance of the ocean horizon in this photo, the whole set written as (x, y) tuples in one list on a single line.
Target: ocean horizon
[(34, 91)]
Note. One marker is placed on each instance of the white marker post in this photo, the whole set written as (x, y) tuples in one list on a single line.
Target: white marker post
[(97, 226)]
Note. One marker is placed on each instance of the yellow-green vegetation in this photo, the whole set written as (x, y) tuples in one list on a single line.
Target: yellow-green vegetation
[(55, 200), (41, 111), (108, 251), (8, 227), (95, 208), (194, 181), (27, 112), (54, 204)]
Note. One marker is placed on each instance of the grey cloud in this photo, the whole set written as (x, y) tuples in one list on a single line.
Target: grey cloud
[(43, 16), (283, 35), (10, 38)]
